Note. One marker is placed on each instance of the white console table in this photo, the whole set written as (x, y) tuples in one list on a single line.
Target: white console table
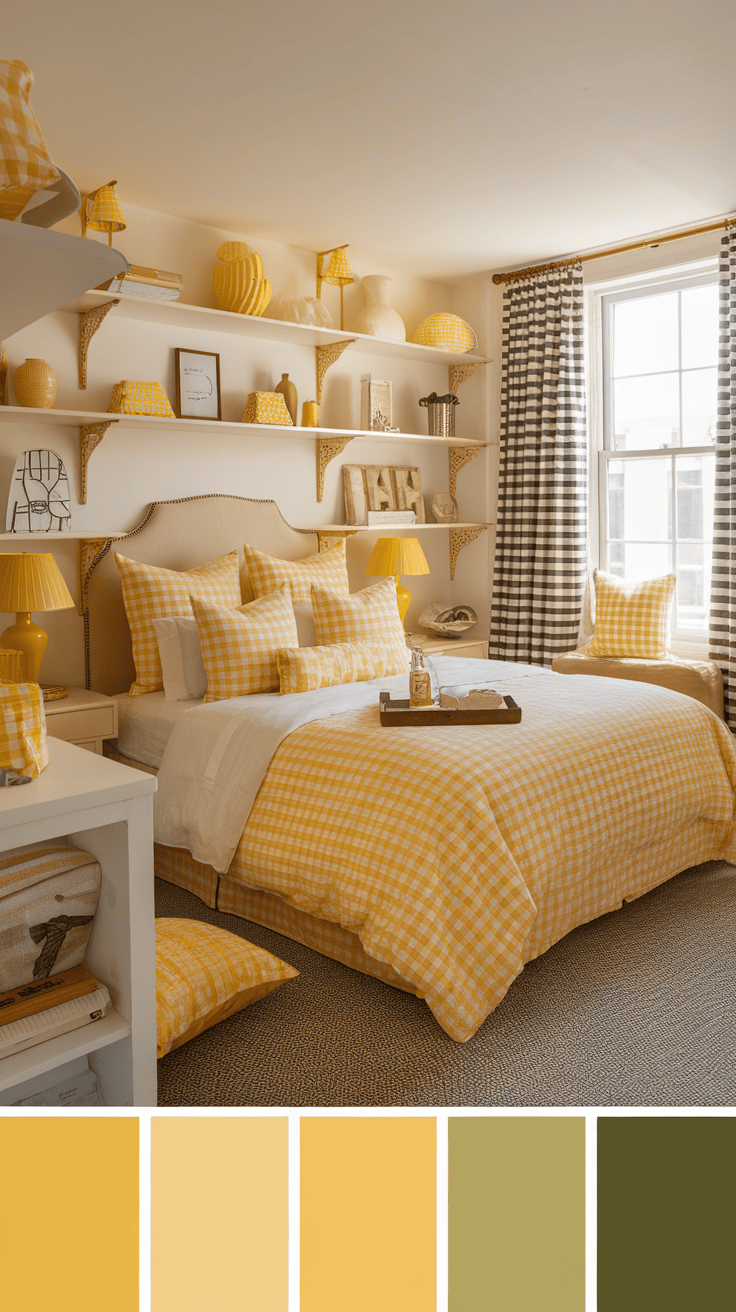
[(104, 808)]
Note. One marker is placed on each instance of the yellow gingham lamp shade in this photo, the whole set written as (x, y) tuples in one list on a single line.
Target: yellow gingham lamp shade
[(32, 581), (106, 215), (338, 272), (397, 556)]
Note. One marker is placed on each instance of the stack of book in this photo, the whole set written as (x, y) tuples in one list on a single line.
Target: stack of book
[(44, 1008), (140, 281)]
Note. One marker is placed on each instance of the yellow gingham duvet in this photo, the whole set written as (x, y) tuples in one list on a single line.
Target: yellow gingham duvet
[(459, 854)]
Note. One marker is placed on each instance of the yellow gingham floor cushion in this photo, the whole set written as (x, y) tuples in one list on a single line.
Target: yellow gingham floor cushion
[(371, 615), (239, 644), (151, 593), (631, 619), (25, 163), (327, 569)]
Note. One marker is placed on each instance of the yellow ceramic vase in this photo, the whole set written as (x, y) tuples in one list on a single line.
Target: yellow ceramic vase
[(238, 280), (35, 384)]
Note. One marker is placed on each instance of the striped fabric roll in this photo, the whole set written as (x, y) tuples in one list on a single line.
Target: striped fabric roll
[(541, 533), (723, 582)]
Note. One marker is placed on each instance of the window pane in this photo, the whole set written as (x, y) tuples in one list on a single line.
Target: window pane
[(647, 560), (639, 500), (645, 335), (699, 407), (699, 326), (646, 412)]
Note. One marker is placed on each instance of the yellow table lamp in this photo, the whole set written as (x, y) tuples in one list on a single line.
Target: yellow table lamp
[(30, 581), (398, 556)]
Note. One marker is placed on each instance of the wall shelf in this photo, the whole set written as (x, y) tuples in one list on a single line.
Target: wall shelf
[(461, 535)]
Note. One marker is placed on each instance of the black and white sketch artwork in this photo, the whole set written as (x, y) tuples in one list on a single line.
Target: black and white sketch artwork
[(40, 496)]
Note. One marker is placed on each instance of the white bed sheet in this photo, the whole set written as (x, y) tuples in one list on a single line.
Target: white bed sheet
[(145, 725)]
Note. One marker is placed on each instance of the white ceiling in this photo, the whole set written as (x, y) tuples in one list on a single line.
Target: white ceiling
[(441, 137)]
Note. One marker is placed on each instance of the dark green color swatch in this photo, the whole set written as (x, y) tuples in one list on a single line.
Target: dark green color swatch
[(667, 1214)]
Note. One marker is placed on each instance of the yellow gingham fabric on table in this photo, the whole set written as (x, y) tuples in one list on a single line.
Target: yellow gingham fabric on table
[(305, 669), (131, 398), (327, 569), (25, 163), (239, 644), (151, 593), (23, 729), (631, 619), (371, 615)]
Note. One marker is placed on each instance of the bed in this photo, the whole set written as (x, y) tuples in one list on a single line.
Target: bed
[(438, 860)]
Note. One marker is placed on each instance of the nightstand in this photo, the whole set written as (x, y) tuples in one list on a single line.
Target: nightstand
[(472, 648), (84, 718)]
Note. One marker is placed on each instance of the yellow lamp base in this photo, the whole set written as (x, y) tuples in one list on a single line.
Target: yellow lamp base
[(403, 598), (26, 637)]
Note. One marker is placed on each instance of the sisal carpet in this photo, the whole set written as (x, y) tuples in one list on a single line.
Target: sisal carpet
[(635, 1009)]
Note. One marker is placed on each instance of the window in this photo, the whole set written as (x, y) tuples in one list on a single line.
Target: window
[(657, 465)]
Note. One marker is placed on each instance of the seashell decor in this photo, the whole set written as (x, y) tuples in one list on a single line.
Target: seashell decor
[(300, 309), (447, 621), (238, 280)]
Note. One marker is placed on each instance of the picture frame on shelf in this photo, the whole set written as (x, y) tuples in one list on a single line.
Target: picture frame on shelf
[(197, 384)]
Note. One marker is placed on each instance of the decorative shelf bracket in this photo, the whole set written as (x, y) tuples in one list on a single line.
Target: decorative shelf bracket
[(90, 436), (326, 356), (459, 372), (89, 322), (459, 456), (327, 449), (327, 540), (462, 537)]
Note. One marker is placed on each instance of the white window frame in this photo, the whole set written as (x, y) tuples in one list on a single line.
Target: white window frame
[(692, 274)]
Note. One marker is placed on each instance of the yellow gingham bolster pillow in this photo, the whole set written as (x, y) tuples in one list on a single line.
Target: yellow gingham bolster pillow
[(25, 163), (304, 669), (631, 619), (151, 593), (205, 974), (327, 570), (239, 644), (371, 615)]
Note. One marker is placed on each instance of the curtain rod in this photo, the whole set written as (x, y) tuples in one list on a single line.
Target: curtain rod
[(610, 250)]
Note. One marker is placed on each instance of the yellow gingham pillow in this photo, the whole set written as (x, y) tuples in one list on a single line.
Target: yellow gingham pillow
[(25, 163), (23, 745), (151, 593), (327, 569), (239, 644), (304, 669), (371, 615), (631, 619), (203, 975)]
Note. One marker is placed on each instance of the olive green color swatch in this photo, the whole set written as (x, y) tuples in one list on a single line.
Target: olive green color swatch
[(516, 1213), (666, 1213)]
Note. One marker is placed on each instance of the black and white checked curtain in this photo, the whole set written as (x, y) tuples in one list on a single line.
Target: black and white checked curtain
[(541, 523), (723, 584)]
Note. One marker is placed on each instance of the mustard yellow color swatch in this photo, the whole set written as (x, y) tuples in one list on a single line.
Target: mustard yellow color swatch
[(517, 1214), (69, 1234), (219, 1214), (368, 1214)]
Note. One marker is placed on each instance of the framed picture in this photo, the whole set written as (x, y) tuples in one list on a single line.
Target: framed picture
[(197, 384)]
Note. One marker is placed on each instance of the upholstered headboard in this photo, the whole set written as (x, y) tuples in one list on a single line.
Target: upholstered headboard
[(176, 535)]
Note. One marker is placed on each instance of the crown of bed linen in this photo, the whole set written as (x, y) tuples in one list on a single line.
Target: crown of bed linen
[(239, 644), (371, 615), (305, 669), (632, 619), (328, 569), (151, 592)]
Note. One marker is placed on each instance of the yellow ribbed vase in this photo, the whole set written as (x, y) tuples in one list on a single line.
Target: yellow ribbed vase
[(35, 384)]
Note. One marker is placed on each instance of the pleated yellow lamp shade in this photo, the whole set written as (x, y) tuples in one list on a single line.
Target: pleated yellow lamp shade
[(106, 215), (32, 581), (338, 272), (397, 556)]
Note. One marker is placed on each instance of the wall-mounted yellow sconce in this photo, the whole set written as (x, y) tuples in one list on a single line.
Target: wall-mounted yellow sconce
[(337, 273), (100, 210)]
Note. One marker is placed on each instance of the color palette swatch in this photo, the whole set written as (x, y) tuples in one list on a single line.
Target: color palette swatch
[(368, 1214), (219, 1214), (666, 1213), (517, 1213), (69, 1235)]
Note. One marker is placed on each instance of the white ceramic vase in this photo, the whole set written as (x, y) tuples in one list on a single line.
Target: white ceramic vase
[(378, 319)]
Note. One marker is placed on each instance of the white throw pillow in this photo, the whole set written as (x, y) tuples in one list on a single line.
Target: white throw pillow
[(305, 624), (180, 649)]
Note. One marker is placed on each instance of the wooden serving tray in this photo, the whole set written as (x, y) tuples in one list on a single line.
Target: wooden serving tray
[(401, 713)]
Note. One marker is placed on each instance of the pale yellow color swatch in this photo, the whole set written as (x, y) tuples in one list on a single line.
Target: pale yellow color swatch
[(368, 1214), (69, 1233), (219, 1214)]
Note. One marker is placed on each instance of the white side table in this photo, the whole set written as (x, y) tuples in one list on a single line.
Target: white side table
[(475, 648), (105, 808), (85, 718)]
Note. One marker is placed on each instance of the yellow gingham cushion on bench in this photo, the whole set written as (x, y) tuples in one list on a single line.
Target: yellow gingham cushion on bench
[(327, 569), (304, 669), (151, 593), (25, 163), (631, 619), (239, 644), (371, 615)]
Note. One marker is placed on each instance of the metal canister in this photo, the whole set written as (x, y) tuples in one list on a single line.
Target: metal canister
[(440, 414)]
